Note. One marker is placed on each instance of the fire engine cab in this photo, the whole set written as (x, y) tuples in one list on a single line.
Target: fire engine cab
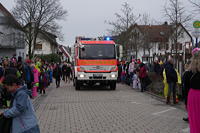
[(95, 61)]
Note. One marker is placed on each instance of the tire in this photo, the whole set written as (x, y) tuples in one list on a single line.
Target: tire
[(113, 85), (77, 85)]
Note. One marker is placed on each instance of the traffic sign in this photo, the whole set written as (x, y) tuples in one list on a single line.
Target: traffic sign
[(196, 24)]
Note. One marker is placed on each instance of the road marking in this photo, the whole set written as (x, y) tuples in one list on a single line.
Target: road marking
[(186, 130), (164, 111)]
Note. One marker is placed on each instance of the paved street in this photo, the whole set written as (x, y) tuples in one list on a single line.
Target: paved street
[(65, 110)]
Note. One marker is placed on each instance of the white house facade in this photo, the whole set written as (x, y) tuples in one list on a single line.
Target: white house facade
[(45, 44)]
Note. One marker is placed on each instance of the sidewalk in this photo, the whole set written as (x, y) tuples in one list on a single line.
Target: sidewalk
[(180, 104)]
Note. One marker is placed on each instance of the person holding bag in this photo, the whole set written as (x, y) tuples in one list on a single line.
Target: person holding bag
[(21, 112)]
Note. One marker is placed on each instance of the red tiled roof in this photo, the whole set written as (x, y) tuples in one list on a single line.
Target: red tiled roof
[(156, 33)]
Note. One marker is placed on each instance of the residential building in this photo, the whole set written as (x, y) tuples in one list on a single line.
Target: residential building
[(157, 41), (12, 41), (46, 44)]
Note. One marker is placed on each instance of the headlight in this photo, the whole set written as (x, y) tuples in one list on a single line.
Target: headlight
[(82, 76), (113, 75)]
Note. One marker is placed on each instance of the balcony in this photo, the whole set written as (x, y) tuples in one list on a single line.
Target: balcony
[(12, 40)]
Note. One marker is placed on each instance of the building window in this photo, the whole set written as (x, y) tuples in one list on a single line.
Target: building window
[(159, 46), (167, 46), (180, 46), (38, 46), (162, 46), (182, 35), (173, 46)]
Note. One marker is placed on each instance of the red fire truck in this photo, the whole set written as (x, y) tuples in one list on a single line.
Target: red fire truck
[(95, 61)]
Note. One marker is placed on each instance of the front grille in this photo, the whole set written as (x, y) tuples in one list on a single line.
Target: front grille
[(97, 68)]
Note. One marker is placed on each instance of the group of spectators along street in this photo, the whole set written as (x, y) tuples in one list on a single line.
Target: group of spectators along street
[(21, 81), (136, 74)]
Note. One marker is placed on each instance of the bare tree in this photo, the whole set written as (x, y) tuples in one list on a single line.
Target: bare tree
[(123, 20), (136, 42), (146, 45), (196, 5), (120, 27), (36, 16), (175, 12)]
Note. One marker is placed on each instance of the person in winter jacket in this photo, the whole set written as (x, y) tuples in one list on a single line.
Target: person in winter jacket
[(22, 113), (172, 79), (64, 71), (143, 75), (193, 101), (57, 73), (28, 74), (186, 84)]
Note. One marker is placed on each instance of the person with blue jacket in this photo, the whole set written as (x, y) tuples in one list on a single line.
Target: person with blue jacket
[(22, 112)]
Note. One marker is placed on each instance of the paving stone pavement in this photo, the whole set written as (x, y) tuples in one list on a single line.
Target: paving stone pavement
[(65, 110)]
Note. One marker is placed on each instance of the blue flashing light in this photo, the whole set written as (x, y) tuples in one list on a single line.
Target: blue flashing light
[(107, 38)]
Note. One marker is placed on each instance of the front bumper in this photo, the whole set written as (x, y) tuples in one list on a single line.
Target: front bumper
[(97, 76)]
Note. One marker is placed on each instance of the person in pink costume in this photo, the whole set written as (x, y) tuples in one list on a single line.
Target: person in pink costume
[(193, 105), (36, 73)]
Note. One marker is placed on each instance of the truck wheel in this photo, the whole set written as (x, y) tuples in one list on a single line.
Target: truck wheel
[(113, 85), (77, 85)]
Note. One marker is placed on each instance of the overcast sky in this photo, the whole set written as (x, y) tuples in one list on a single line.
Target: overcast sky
[(87, 17)]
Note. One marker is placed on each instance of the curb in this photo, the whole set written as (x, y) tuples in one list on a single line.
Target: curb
[(39, 98), (180, 105)]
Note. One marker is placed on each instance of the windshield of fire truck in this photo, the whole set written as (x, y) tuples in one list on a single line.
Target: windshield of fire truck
[(97, 51)]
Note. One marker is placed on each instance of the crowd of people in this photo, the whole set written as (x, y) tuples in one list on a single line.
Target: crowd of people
[(35, 74), (22, 80), (134, 73)]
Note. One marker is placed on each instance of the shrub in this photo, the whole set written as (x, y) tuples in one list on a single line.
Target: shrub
[(50, 58)]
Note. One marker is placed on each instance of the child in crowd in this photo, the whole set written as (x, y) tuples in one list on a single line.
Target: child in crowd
[(136, 80)]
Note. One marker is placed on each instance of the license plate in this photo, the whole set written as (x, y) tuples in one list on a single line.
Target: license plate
[(97, 75)]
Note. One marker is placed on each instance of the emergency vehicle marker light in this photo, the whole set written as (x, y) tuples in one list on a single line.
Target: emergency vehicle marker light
[(107, 38)]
